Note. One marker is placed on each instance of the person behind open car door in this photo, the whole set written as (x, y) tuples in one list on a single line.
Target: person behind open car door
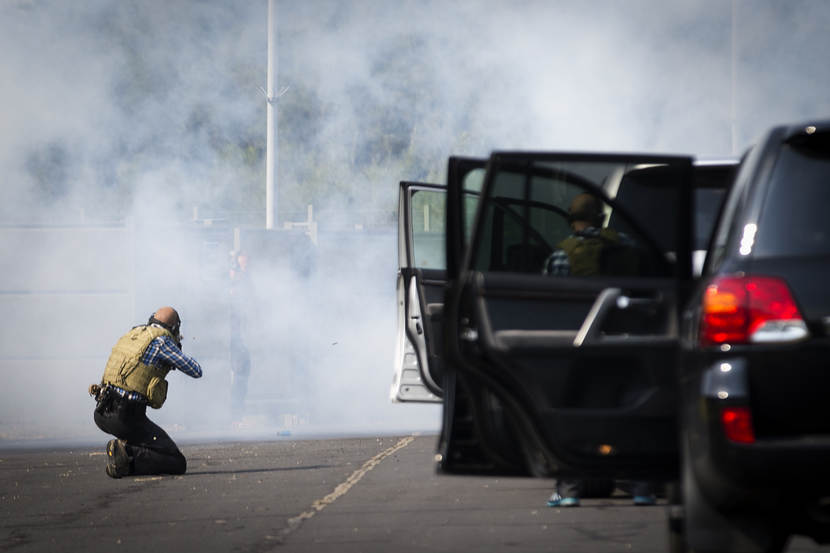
[(592, 250)]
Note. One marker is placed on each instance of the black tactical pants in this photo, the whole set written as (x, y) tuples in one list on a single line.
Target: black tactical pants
[(152, 450)]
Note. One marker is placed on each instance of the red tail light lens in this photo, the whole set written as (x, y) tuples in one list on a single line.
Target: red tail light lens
[(750, 309), (737, 424)]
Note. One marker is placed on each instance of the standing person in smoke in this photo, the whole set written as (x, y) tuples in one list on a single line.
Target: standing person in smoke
[(241, 294), (134, 377)]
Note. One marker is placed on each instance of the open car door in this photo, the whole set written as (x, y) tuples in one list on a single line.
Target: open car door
[(421, 285), (422, 277), (549, 372), (422, 280)]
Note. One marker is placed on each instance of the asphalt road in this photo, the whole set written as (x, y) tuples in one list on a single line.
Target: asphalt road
[(334, 495)]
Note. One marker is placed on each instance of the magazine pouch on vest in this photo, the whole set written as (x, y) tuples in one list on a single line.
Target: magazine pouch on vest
[(156, 392), (125, 369)]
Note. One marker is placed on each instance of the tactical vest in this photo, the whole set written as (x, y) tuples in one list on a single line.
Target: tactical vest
[(125, 369), (586, 254)]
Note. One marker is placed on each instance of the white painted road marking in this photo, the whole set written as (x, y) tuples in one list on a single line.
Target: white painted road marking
[(343, 487)]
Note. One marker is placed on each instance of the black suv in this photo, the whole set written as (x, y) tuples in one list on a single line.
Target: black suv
[(755, 350), (714, 381)]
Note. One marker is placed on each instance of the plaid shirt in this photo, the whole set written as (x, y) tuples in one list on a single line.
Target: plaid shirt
[(558, 264), (163, 352)]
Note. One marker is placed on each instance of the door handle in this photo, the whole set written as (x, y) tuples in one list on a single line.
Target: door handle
[(590, 329), (417, 320), (608, 300)]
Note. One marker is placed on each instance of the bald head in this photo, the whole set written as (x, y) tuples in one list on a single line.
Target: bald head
[(168, 317), (585, 210)]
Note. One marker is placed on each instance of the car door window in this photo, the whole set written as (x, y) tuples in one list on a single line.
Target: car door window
[(527, 222), (472, 183), (428, 227), (429, 220)]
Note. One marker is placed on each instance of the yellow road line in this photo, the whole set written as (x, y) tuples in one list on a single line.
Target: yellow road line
[(343, 487)]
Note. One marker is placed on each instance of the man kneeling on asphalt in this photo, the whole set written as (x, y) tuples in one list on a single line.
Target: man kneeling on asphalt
[(134, 378)]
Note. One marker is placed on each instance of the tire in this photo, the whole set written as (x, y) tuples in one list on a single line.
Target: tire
[(704, 529), (676, 519)]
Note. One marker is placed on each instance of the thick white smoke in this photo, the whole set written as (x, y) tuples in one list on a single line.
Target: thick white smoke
[(132, 146)]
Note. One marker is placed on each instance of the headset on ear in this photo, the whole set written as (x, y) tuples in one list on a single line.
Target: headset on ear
[(174, 329)]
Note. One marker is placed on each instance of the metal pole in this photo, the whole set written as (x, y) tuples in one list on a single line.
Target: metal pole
[(271, 148), (733, 105)]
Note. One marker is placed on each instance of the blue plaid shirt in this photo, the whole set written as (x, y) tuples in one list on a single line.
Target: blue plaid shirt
[(163, 352), (558, 264)]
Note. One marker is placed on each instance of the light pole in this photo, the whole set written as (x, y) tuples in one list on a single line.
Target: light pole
[(271, 99), (734, 62)]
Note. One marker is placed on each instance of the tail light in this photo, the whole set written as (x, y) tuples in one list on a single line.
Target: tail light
[(750, 309), (737, 424)]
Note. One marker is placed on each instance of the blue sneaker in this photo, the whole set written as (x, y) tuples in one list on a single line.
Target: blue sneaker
[(557, 500), (644, 500)]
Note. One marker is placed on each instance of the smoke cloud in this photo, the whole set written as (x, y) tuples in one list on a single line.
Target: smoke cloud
[(132, 149)]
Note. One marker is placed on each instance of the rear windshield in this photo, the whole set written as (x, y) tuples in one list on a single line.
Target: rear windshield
[(795, 219)]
